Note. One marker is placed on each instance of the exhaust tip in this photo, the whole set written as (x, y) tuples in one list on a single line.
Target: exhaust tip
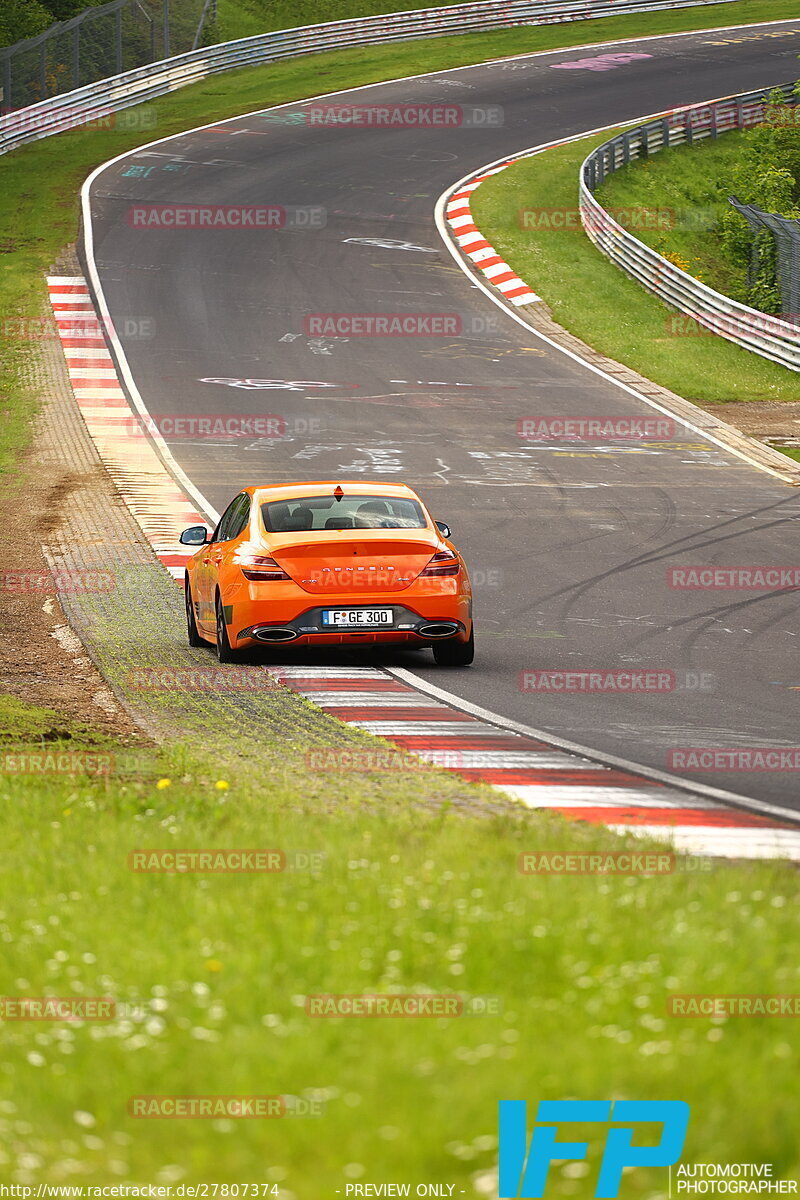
[(275, 635), (438, 629)]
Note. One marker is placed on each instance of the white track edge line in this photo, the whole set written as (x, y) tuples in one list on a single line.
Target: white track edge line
[(599, 756)]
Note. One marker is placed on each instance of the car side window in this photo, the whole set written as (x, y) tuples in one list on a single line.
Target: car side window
[(241, 517), (233, 520)]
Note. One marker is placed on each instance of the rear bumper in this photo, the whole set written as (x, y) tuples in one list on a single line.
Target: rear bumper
[(417, 612), (307, 629)]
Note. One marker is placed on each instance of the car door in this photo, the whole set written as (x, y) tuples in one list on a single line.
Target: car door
[(234, 521), (207, 571)]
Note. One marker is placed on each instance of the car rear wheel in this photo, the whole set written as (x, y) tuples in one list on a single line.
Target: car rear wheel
[(225, 654), (455, 654), (192, 631)]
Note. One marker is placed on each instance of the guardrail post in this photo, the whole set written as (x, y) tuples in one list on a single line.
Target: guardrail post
[(166, 29), (665, 142), (714, 130), (626, 149), (118, 38)]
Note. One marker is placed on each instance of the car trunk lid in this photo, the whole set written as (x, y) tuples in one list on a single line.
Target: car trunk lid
[(369, 562)]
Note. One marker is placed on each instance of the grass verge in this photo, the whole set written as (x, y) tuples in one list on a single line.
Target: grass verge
[(595, 300), (38, 200), (214, 970)]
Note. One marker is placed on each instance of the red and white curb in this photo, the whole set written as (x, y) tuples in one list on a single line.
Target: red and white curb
[(475, 246), (149, 491), (534, 772), (539, 774)]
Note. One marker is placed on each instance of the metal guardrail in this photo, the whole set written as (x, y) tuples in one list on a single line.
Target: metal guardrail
[(85, 104), (769, 336)]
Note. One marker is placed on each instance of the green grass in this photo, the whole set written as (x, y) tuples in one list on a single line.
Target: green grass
[(595, 300), (38, 199), (215, 968)]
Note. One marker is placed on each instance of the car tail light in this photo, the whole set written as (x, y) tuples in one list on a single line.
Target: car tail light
[(263, 570), (443, 563)]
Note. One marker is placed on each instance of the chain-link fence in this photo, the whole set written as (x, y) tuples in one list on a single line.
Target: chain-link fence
[(100, 42), (786, 235)]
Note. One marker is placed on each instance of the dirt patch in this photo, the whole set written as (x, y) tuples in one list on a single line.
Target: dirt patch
[(767, 419), (41, 660)]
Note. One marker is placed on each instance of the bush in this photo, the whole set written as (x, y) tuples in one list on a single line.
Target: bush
[(767, 176)]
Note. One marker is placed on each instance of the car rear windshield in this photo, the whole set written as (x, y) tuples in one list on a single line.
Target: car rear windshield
[(350, 512)]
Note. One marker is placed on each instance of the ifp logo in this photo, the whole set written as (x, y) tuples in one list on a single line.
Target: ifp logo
[(523, 1170)]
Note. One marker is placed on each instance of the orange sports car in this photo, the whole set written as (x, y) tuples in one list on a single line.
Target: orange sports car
[(328, 564)]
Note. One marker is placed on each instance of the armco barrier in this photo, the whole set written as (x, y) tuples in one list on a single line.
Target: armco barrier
[(92, 102), (769, 336)]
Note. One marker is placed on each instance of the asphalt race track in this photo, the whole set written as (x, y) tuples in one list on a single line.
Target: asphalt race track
[(569, 552)]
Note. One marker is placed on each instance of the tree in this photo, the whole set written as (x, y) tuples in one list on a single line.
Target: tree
[(22, 19)]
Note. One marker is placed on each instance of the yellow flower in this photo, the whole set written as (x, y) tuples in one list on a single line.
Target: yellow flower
[(221, 785), (213, 964), (66, 812), (163, 783)]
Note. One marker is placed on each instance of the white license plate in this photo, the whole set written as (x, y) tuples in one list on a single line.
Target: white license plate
[(357, 616)]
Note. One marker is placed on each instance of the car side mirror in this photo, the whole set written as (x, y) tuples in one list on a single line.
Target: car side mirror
[(195, 535), (444, 529)]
